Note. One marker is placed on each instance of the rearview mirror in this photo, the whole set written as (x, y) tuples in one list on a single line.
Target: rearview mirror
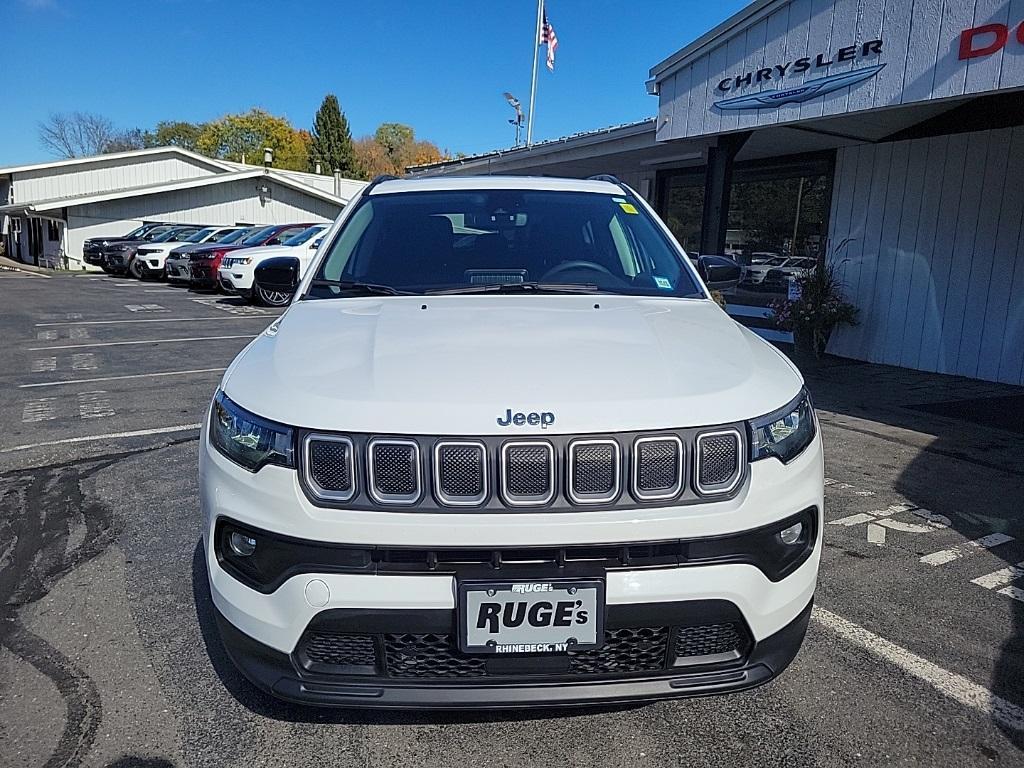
[(280, 274), (719, 273)]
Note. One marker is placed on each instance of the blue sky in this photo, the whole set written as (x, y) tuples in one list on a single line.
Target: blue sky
[(438, 66)]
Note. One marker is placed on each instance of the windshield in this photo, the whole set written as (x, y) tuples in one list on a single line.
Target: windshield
[(174, 234), (156, 233), (199, 236), (465, 240), (303, 236), (231, 235), (257, 236)]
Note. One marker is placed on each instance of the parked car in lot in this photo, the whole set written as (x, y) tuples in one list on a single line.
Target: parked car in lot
[(236, 270), (204, 262), (777, 278), (176, 265), (150, 259), (504, 450), (119, 256), (92, 249), (760, 263), (137, 266)]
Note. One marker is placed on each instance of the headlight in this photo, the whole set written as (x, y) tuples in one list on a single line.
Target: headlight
[(247, 439), (785, 433), (242, 261)]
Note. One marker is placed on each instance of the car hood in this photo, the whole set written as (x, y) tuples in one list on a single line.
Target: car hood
[(261, 252), (453, 365)]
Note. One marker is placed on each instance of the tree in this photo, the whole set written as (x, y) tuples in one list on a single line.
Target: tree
[(127, 140), (392, 149), (76, 134), (175, 133), (233, 137), (331, 144)]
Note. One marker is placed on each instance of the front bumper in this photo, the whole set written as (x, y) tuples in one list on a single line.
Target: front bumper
[(286, 677), (202, 276), (236, 279)]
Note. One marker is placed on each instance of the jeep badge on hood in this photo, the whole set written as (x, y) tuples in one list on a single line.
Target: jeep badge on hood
[(545, 419)]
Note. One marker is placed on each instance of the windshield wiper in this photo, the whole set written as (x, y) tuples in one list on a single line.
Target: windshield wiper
[(355, 286), (526, 287)]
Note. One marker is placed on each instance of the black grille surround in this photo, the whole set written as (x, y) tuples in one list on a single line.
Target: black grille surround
[(468, 474)]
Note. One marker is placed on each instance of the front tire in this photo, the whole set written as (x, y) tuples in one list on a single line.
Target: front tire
[(271, 298), (135, 269)]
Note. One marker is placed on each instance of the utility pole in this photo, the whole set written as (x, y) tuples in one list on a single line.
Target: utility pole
[(533, 85)]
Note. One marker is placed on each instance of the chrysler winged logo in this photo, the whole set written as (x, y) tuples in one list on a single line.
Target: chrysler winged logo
[(801, 93)]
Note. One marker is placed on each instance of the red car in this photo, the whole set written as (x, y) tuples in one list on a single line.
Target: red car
[(204, 262)]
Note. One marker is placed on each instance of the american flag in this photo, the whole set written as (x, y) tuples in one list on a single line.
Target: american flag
[(547, 35)]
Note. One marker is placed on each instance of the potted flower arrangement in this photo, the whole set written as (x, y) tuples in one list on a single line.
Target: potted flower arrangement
[(819, 308)]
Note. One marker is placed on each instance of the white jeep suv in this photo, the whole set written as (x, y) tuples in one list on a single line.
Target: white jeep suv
[(503, 449)]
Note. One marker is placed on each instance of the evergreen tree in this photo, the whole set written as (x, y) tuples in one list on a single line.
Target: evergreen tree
[(332, 141)]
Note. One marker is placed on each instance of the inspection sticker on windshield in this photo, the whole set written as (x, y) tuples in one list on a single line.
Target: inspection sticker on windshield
[(663, 282), (628, 207)]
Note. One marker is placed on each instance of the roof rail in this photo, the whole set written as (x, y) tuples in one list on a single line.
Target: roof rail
[(605, 177), (377, 180)]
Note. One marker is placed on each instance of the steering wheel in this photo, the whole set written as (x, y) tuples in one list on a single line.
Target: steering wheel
[(569, 266)]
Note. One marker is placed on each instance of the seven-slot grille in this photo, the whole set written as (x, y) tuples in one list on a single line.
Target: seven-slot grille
[(394, 469), (523, 473), (718, 461), (657, 467)]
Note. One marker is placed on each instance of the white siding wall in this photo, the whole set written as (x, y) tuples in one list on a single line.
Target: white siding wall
[(213, 204), (934, 253), (920, 51), (102, 176)]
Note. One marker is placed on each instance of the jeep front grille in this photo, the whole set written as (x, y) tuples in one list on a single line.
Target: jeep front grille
[(718, 461), (657, 467), (394, 468), (527, 473), (460, 473)]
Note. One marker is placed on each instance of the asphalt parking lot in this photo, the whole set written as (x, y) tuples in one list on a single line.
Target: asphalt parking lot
[(109, 657)]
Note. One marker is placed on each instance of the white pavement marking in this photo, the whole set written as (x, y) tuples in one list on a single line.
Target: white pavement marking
[(1001, 577), (1015, 592), (108, 436), (233, 309), (78, 333), (42, 409), (860, 517), (145, 308), (956, 687), (119, 378), (94, 405), (44, 364), (876, 534), (968, 547), (141, 341), (46, 335), (73, 315), (164, 320), (83, 361)]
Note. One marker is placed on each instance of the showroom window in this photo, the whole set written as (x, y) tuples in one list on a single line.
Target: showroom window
[(682, 206)]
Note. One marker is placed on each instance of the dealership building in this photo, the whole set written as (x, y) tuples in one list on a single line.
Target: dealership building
[(887, 137)]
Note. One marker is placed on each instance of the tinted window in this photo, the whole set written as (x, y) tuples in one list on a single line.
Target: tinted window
[(157, 232), (303, 236), (257, 236), (231, 236), (447, 240), (200, 235)]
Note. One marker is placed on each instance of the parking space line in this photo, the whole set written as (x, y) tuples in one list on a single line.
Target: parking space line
[(43, 409), (108, 436), (46, 335), (94, 405), (968, 547), (119, 378), (956, 687), (141, 341), (83, 361), (221, 318), (44, 364), (1001, 577)]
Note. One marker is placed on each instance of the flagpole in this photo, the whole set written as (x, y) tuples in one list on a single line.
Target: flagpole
[(533, 85)]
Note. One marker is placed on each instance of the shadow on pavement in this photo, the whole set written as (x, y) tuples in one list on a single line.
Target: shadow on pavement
[(263, 704), (958, 414)]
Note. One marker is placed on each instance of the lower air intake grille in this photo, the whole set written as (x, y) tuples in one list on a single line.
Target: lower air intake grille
[(429, 656), (330, 467), (528, 473), (337, 649), (460, 473), (717, 461), (710, 642), (638, 649), (658, 467), (394, 471)]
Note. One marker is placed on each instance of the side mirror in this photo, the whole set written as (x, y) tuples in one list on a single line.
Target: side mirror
[(316, 243), (280, 274), (719, 273)]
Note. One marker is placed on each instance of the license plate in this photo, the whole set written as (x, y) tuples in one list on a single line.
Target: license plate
[(531, 616)]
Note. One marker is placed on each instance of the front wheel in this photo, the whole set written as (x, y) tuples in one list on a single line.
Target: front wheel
[(272, 298), (135, 269)]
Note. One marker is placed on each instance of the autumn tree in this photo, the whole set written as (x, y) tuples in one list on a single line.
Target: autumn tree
[(393, 148), (331, 144), (233, 137), (175, 133)]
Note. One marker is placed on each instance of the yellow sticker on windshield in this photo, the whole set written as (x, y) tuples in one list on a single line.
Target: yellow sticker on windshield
[(628, 207)]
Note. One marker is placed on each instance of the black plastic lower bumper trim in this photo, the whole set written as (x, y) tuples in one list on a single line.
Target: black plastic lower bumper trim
[(273, 672)]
